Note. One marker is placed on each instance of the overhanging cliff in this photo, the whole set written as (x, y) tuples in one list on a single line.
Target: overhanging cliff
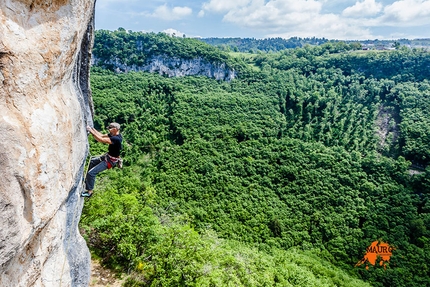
[(45, 51), (174, 67)]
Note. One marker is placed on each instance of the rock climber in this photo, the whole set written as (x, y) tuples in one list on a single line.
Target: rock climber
[(106, 161)]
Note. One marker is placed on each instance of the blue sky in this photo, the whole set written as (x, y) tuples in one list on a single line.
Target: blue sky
[(337, 19)]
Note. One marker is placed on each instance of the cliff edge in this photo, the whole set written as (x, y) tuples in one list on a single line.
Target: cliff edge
[(45, 100)]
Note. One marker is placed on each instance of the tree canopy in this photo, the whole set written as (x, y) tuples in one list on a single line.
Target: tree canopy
[(281, 177)]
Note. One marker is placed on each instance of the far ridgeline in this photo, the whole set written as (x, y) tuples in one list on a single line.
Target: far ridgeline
[(303, 170)]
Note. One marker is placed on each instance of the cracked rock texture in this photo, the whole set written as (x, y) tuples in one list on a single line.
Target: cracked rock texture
[(175, 67), (45, 101)]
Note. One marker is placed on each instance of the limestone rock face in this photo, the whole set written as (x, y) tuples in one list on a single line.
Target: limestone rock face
[(177, 67), (45, 104)]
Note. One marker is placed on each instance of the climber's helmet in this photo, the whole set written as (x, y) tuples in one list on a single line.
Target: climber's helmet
[(113, 126)]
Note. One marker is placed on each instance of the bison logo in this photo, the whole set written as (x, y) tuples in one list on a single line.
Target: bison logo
[(376, 250)]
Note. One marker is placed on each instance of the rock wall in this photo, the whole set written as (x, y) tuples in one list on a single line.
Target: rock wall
[(177, 67), (45, 105)]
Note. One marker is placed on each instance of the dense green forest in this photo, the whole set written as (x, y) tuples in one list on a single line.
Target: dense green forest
[(264, 45), (253, 45), (281, 177)]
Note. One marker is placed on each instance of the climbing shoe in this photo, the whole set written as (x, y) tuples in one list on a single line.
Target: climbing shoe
[(86, 194)]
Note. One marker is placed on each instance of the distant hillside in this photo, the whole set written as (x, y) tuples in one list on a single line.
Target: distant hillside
[(265, 45), (277, 44)]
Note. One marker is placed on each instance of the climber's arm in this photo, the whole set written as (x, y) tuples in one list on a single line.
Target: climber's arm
[(99, 136)]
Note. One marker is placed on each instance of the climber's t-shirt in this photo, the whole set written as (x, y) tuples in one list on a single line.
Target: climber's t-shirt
[(116, 146)]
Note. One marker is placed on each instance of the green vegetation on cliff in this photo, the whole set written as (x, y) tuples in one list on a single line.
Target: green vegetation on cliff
[(252, 45), (282, 177), (121, 47)]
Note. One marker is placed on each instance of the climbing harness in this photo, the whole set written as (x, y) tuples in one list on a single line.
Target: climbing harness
[(113, 161)]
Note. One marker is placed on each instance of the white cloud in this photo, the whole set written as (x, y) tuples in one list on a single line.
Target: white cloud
[(176, 13), (363, 9), (329, 26), (406, 13), (288, 18), (306, 18), (275, 14)]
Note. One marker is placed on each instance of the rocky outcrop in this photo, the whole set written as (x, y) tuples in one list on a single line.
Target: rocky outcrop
[(387, 127), (45, 105), (176, 67)]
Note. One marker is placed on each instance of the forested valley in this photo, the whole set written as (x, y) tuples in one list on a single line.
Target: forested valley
[(276, 44), (280, 177)]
